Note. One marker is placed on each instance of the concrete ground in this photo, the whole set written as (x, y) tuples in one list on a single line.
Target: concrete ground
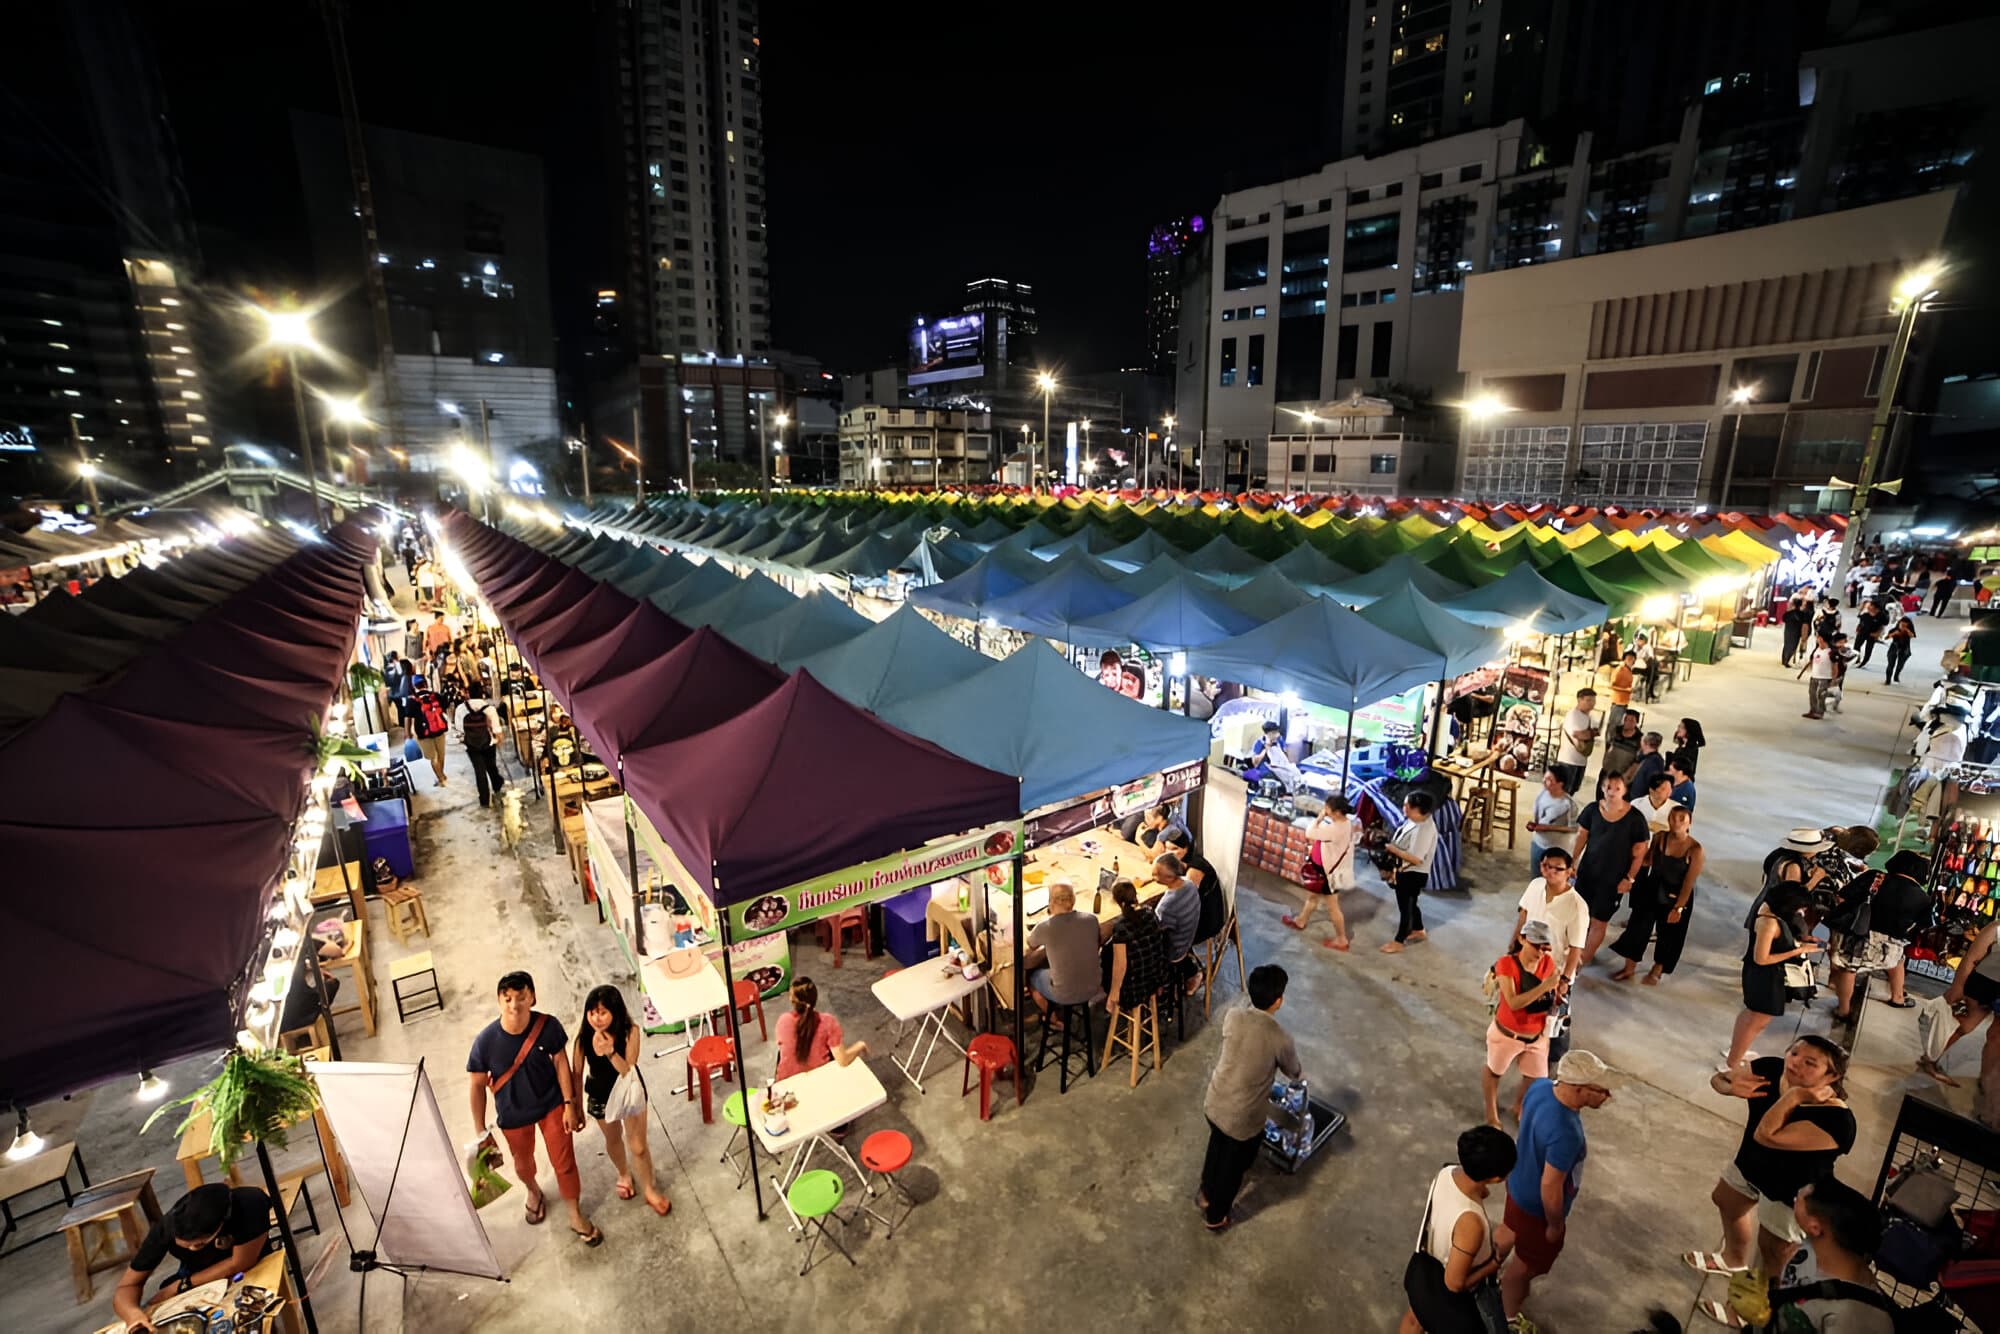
[(1079, 1207)]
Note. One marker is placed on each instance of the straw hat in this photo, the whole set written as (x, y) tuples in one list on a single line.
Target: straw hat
[(1807, 842)]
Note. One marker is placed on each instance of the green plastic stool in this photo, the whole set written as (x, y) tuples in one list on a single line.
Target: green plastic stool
[(814, 1197), (733, 1111)]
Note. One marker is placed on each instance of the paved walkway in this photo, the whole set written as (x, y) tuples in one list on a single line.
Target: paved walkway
[(1078, 1208)]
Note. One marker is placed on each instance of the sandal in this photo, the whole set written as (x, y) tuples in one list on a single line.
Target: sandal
[(623, 1191), (1292, 922), (1904, 1004), (1720, 1314), (1342, 945), (662, 1207), (591, 1238), (1709, 1262), (538, 1211)]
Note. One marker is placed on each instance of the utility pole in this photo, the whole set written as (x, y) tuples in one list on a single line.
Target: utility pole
[(639, 460), (1911, 293), (583, 455), (305, 435), (85, 469)]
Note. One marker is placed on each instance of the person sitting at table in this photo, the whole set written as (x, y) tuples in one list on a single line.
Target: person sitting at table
[(1179, 909), (1062, 953), (214, 1231), (807, 1039), (1161, 824), (1268, 759), (1138, 951)]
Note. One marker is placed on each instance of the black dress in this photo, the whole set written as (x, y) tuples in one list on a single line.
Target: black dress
[(1764, 983)]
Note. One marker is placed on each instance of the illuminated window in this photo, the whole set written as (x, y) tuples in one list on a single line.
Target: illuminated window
[(1395, 118), (63, 347), (1467, 99), (1397, 54), (1434, 43)]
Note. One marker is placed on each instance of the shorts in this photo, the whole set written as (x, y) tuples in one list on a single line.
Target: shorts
[(1872, 953), (1503, 1049), (1982, 990), (1774, 1216), (433, 748), (1038, 978), (1532, 1246)]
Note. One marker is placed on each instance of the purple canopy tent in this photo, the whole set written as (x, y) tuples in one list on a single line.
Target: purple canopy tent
[(703, 681), (644, 634)]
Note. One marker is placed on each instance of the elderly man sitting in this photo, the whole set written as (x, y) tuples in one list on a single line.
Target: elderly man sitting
[(1062, 954)]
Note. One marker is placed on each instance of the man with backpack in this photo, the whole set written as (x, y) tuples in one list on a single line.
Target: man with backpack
[(428, 724), (1830, 1284), (481, 729)]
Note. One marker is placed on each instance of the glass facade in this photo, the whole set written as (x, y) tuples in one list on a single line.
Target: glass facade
[(1445, 236), (1641, 463), (1302, 284), (1371, 243), (1516, 462), (1627, 205), (1246, 263)]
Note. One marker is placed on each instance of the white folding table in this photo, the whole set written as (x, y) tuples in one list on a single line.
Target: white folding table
[(687, 1001), (829, 1097), (926, 992)]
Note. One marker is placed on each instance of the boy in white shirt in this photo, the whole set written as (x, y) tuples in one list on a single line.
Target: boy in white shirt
[(1551, 899), (1579, 737)]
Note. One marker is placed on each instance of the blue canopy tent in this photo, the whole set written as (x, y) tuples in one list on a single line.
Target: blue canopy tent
[(1269, 596), (870, 558), (707, 580), (1397, 572), (1309, 567), (665, 570), (1178, 615), (811, 623), (749, 599), (1158, 572), (1090, 539), (1035, 715), (1522, 596), (934, 560), (1052, 607), (1225, 562), (995, 575), (1141, 550), (898, 657), (1460, 646), (988, 531), (1320, 651)]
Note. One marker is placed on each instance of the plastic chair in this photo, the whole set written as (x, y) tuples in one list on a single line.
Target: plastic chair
[(992, 1053), (833, 930), (735, 1112), (813, 1197), (747, 998), (883, 1154), (1072, 1014), (704, 1059)]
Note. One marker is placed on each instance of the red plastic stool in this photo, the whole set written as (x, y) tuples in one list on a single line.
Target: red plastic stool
[(883, 1154), (748, 997), (991, 1053), (707, 1056)]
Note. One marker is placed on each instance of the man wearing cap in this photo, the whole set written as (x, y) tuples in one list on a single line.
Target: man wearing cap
[(1541, 1189)]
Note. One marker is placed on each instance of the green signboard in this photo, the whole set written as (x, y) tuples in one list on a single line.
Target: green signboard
[(829, 894)]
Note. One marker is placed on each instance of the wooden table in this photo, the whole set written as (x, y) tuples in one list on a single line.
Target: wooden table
[(925, 992), (354, 962), (197, 1147), (829, 1097), (270, 1274), (50, 1167), (340, 881)]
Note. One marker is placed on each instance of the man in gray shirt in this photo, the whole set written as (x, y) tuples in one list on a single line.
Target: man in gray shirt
[(1062, 952), (1179, 907), (1254, 1048)]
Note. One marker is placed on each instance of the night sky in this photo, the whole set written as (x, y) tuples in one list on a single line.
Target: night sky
[(909, 147)]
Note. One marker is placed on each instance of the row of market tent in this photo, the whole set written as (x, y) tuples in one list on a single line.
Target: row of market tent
[(164, 740)]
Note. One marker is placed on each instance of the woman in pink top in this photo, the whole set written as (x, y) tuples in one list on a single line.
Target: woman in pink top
[(807, 1039)]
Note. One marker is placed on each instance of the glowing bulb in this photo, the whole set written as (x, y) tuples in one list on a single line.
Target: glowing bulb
[(152, 1088)]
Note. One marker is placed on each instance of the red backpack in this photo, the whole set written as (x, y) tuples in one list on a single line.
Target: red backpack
[(430, 716)]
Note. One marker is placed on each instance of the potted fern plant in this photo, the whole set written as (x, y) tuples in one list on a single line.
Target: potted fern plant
[(364, 684)]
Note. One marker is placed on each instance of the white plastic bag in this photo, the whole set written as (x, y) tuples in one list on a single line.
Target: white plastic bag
[(627, 1097), (1935, 1025)]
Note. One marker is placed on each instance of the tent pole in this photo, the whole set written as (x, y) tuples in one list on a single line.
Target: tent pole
[(632, 866), (742, 1071), (1437, 717), (1347, 747), (291, 1243), (1020, 954)]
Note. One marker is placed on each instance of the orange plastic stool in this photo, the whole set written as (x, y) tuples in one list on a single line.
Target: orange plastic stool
[(883, 1154), (991, 1053), (747, 996), (707, 1056)]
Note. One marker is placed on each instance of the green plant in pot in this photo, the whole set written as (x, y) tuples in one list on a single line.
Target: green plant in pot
[(258, 1097), (329, 749)]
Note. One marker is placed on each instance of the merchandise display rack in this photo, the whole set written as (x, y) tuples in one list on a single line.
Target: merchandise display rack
[(1968, 1154), (1964, 885)]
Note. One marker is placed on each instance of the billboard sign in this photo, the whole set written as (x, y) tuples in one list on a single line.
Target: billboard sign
[(952, 348)]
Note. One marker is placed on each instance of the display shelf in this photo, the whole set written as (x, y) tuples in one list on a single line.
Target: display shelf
[(1933, 1138)]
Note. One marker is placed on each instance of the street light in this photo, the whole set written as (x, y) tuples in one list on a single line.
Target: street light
[(1047, 384), (780, 421), (1907, 298), (1167, 446), (290, 331), (88, 472), (1742, 396)]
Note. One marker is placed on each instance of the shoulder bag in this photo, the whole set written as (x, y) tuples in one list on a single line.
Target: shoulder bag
[(1440, 1310), (627, 1096), (534, 1036)]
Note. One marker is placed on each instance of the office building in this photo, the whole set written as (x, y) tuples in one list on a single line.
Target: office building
[(462, 252), (99, 346), (1011, 322), (689, 149), (1738, 370), (911, 444), (1172, 250)]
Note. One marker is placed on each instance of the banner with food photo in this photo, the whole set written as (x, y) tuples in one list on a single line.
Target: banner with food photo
[(965, 855)]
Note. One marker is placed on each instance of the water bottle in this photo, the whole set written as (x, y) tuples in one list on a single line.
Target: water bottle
[(1306, 1130)]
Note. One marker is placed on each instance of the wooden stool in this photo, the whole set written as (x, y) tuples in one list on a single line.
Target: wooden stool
[(992, 1053), (354, 963), (748, 997), (1477, 813), (403, 908), (88, 1227), (296, 1040), (1503, 817), (1129, 1029), (406, 970)]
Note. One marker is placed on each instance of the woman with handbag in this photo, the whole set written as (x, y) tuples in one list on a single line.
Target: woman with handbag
[(1663, 900), (1777, 963), (614, 1093), (1452, 1278), (1329, 869), (1798, 1125), (1411, 850)]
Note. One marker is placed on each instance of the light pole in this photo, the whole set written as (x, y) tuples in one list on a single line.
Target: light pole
[(1915, 288), (583, 458), (764, 448), (1484, 409), (1167, 448), (1742, 396), (85, 468), (290, 330), (1047, 384), (1087, 464), (347, 412)]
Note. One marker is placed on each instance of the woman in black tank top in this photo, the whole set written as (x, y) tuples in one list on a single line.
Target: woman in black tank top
[(607, 1047)]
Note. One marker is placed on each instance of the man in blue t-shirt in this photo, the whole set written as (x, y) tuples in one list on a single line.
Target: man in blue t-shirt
[(1548, 1168), (521, 1059), (1678, 769)]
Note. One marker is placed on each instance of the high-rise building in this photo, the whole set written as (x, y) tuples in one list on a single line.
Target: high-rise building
[(690, 158), (98, 323), (1169, 248), (1009, 308), (462, 231)]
